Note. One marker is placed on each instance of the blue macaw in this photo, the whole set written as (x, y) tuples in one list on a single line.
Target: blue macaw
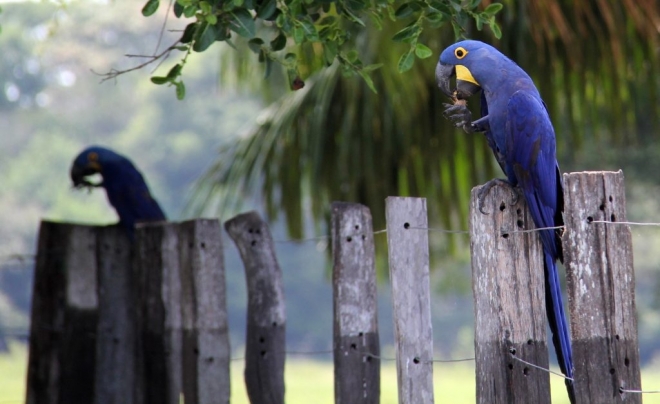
[(124, 185), (517, 126)]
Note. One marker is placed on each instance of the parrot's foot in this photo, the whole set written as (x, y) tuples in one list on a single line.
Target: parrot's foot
[(485, 189), (459, 115)]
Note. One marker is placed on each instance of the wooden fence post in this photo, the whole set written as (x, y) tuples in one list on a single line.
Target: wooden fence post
[(159, 311), (64, 316), (204, 313), (265, 341), (116, 339), (357, 373), (509, 300), (601, 288), (408, 254)]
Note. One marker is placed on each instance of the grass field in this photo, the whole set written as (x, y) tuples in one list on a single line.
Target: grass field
[(307, 379)]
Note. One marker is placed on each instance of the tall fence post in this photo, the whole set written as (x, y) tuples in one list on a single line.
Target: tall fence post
[(265, 341), (356, 343), (159, 311), (204, 313), (116, 379), (408, 255), (601, 288), (509, 300), (64, 316)]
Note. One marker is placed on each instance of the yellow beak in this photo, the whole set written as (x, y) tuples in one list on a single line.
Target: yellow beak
[(463, 73)]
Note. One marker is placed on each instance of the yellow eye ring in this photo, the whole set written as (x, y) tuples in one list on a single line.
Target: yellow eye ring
[(92, 156), (460, 52)]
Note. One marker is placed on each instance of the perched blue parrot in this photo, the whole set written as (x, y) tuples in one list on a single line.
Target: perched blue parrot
[(517, 126), (124, 185)]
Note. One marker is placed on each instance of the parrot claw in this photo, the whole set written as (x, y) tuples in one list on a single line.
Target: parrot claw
[(460, 116), (485, 189)]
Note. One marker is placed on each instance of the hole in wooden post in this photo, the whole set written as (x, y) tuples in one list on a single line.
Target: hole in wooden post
[(416, 359), (502, 207), (512, 351), (353, 347), (190, 245), (364, 237), (626, 362), (518, 211), (602, 206), (406, 225), (520, 223), (253, 243), (526, 371), (612, 217), (590, 219), (530, 342), (209, 359), (510, 366), (250, 231), (258, 231), (203, 245), (196, 351), (612, 371), (360, 334), (349, 239), (357, 227), (262, 340), (610, 198), (505, 235), (274, 323), (616, 337), (262, 353)]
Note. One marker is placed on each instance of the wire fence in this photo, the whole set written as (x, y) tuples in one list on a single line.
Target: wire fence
[(25, 261)]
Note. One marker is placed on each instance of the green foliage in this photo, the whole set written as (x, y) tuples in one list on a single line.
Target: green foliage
[(333, 26)]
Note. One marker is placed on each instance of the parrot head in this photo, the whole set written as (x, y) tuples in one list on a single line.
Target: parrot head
[(467, 61), (89, 162)]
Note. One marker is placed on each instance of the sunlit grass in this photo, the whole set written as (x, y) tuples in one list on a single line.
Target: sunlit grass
[(306, 379)]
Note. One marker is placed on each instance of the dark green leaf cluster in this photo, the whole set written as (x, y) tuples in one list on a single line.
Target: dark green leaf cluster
[(328, 25)]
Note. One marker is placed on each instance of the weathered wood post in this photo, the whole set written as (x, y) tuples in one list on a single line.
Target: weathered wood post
[(356, 343), (408, 254), (159, 309), (204, 314), (601, 288), (265, 341), (64, 316), (509, 300), (116, 379)]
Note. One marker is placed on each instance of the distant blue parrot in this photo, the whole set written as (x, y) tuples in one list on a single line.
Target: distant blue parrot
[(518, 130), (124, 185)]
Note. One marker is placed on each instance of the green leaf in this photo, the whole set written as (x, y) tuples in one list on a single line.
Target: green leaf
[(242, 23), (330, 50), (404, 11), (181, 48), (174, 71), (290, 58), (180, 90), (205, 7), (278, 43), (189, 11), (211, 19), (352, 56), (441, 7), (255, 44), (266, 9), (178, 9), (496, 29), (406, 61), (351, 16), (204, 37), (422, 51), (189, 32), (160, 80), (150, 8), (309, 30), (411, 31), (298, 34), (237, 3), (493, 8), (474, 4), (367, 79)]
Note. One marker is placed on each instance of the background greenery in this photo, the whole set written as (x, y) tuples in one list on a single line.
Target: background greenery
[(53, 105)]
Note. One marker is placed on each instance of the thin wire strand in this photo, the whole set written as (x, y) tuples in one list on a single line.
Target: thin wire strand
[(438, 230), (628, 223), (541, 368), (622, 390)]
